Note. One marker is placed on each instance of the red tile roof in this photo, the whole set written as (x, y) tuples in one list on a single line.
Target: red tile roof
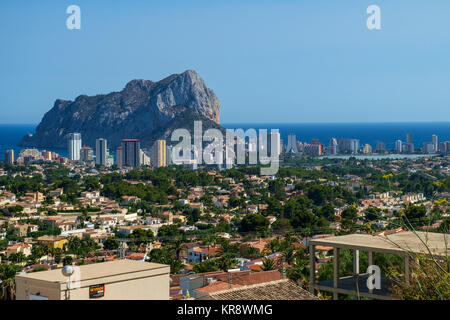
[(217, 286), (137, 256), (257, 277)]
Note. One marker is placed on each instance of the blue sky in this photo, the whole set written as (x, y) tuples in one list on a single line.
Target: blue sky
[(267, 61)]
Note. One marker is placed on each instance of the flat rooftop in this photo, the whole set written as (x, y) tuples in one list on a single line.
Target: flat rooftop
[(97, 270), (398, 243)]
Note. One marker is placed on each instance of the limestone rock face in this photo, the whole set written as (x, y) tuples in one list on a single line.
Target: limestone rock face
[(143, 110)]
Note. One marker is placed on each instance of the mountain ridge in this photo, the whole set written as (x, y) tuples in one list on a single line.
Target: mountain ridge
[(142, 109)]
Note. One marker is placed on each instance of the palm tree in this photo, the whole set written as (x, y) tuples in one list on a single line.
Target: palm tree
[(17, 257), (288, 255), (178, 246), (7, 276), (299, 273), (226, 262), (268, 264), (46, 251), (273, 245), (208, 240), (252, 252), (52, 252), (37, 251)]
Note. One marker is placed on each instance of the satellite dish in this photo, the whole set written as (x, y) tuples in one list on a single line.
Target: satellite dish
[(67, 270)]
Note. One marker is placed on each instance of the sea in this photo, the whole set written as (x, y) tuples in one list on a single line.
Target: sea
[(11, 134)]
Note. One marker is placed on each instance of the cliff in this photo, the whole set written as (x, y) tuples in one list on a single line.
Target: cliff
[(143, 110)]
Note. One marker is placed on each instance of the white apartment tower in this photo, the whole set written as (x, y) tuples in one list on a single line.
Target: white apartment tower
[(434, 139), (74, 146), (399, 146)]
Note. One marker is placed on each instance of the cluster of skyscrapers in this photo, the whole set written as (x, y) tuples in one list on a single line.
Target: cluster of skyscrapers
[(428, 147), (352, 146), (316, 148), (128, 154)]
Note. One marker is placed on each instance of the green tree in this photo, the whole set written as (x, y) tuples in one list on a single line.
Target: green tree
[(282, 226), (254, 223), (416, 215), (67, 260), (111, 244), (372, 213), (327, 211), (7, 276), (350, 213), (206, 266), (226, 262)]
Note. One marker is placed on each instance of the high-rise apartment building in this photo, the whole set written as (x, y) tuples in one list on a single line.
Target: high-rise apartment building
[(169, 155), (434, 140), (74, 146), (86, 154), (9, 156), (367, 149), (131, 156), (145, 158), (409, 138), (399, 146), (159, 154), (409, 146), (428, 147), (313, 149), (444, 147), (119, 157), (380, 147), (46, 155), (333, 146), (292, 144), (348, 146), (101, 152)]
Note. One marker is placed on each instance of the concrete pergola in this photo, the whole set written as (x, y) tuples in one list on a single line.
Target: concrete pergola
[(405, 244)]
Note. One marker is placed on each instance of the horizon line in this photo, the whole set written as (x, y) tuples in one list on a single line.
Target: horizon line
[(301, 122)]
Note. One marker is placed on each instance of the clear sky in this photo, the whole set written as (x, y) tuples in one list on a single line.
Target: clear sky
[(267, 61)]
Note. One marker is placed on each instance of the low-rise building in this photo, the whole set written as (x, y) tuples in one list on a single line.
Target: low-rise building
[(52, 241), (19, 248), (114, 280)]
